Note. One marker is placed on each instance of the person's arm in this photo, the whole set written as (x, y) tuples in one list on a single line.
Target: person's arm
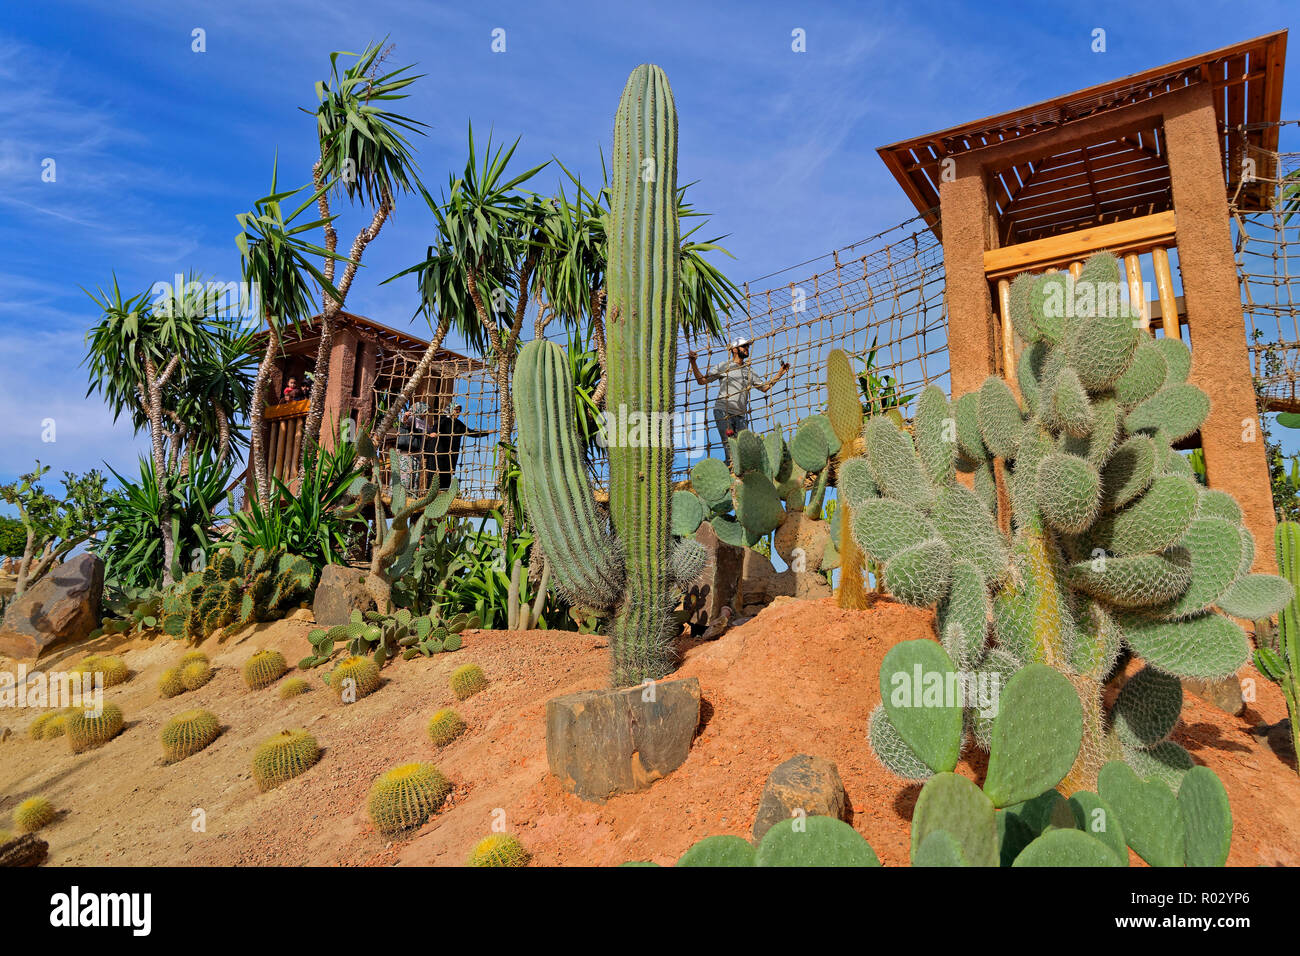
[(695, 370), (766, 387)]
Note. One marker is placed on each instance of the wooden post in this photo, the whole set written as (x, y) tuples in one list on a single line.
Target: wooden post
[(1137, 298), (1231, 437), (1008, 331), (964, 206), (1165, 287)]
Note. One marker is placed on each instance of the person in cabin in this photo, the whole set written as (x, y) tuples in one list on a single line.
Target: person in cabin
[(738, 379), (449, 432)]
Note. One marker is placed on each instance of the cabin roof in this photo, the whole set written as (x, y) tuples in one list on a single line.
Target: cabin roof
[(1116, 179)]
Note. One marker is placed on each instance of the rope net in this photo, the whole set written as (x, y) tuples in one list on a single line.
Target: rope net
[(1267, 248)]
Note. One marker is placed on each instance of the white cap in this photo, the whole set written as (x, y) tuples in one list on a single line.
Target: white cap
[(737, 343)]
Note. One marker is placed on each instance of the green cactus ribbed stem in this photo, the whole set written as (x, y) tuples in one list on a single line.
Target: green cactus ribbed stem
[(641, 342)]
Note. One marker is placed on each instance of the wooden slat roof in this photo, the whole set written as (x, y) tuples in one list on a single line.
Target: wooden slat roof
[(1108, 181), (393, 340)]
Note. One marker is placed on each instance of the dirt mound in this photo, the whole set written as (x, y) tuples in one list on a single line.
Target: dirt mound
[(800, 677)]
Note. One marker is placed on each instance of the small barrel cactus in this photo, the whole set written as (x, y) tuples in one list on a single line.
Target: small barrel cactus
[(499, 849), (354, 677), (90, 729), (37, 729), (445, 727), (33, 814), (407, 796), (189, 732), (283, 757), (293, 687), (264, 668), (112, 670), (189, 657), (170, 684), (57, 724), (194, 675), (467, 680)]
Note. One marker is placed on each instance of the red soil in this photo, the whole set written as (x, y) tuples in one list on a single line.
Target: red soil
[(800, 677)]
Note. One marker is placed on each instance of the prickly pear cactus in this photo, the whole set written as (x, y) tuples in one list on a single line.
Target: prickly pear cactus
[(1085, 533)]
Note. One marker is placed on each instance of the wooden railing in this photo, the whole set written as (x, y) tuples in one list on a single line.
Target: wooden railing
[(284, 434), (1152, 236)]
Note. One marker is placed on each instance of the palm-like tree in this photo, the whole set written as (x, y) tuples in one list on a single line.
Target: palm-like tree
[(365, 154), (219, 390), (478, 273), (137, 355), (274, 260)]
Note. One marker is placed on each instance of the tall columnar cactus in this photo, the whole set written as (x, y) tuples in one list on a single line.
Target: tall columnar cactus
[(845, 413), (630, 571), (1281, 664), (1113, 542)]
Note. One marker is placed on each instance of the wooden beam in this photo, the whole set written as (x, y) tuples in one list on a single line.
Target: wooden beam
[(1132, 235)]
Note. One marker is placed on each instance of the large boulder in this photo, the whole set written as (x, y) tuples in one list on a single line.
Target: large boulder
[(603, 742), (338, 594), (715, 588), (60, 608), (805, 785)]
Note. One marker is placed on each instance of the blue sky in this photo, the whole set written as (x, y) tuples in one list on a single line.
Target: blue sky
[(158, 147)]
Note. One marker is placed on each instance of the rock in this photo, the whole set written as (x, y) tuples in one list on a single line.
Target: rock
[(26, 850), (807, 536), (338, 594), (715, 588), (603, 742), (60, 608), (1279, 739), (761, 584), (810, 784), (1224, 693)]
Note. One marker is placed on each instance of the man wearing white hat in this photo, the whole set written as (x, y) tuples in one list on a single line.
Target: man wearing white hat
[(731, 409)]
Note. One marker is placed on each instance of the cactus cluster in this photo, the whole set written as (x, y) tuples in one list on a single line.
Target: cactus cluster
[(467, 680), (445, 726), (86, 729), (631, 570), (264, 668), (396, 538), (384, 636), (283, 757), (33, 814), (353, 678), (1018, 817), (187, 733), (406, 796), (1280, 662), (237, 588), (1085, 533), (499, 849), (112, 670), (49, 725), (170, 684)]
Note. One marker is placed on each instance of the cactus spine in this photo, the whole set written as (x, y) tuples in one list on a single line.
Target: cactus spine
[(1281, 664), (630, 573)]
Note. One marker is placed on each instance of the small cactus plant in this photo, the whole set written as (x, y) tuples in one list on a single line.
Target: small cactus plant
[(467, 680), (354, 678), (445, 726), (33, 814), (1280, 662), (37, 728), (294, 687), (112, 669), (57, 725), (170, 683), (86, 729), (499, 849), (189, 732), (194, 675), (189, 657), (264, 668), (406, 796), (283, 757)]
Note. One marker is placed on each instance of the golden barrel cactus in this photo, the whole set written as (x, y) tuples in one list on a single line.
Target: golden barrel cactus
[(467, 680), (499, 849), (406, 796), (354, 678), (87, 729), (189, 732), (264, 668), (283, 757), (33, 814)]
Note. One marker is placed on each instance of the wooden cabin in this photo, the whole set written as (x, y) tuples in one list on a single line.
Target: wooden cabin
[(1144, 167), (368, 367)]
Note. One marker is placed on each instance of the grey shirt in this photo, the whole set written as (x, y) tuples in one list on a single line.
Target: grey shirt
[(733, 393)]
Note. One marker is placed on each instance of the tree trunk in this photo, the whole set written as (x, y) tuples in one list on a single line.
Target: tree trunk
[(223, 433), (25, 565), (257, 440)]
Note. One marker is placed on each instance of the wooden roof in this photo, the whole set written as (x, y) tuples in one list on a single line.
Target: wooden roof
[(1117, 179), (392, 340)]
